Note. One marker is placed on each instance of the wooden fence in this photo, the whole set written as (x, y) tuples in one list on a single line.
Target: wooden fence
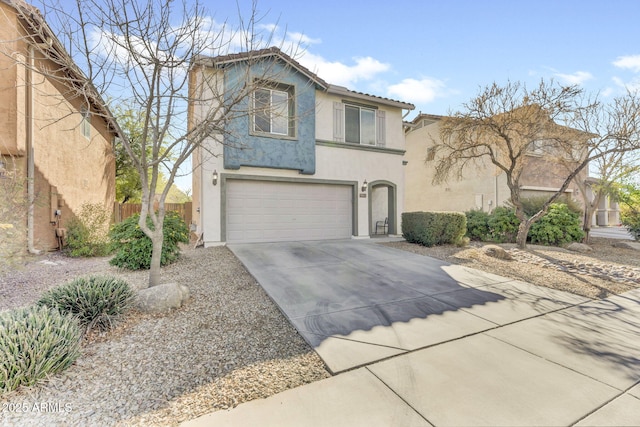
[(122, 211)]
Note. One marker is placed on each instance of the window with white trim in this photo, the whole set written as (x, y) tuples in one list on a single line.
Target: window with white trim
[(358, 124), (85, 124), (273, 111)]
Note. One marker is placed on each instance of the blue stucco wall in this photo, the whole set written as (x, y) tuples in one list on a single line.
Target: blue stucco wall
[(244, 149)]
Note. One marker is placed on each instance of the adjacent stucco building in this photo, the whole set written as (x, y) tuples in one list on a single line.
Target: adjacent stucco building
[(482, 187), (55, 145), (300, 160)]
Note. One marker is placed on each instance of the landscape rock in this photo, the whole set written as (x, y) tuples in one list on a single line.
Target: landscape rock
[(162, 298), (628, 245), (496, 251), (579, 247)]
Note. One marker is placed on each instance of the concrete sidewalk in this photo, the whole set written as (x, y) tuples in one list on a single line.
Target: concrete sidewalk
[(421, 342)]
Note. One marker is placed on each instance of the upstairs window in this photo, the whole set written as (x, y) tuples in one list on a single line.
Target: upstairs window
[(85, 123), (358, 124), (273, 111)]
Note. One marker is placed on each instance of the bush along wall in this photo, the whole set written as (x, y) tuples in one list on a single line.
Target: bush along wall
[(433, 228), (133, 248), (477, 225), (560, 225)]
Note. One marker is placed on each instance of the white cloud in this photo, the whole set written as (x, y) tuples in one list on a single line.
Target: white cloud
[(291, 42), (631, 62), (302, 39), (577, 78), (632, 85), (342, 74), (607, 92), (418, 91)]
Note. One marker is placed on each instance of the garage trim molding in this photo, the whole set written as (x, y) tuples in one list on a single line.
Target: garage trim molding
[(228, 176)]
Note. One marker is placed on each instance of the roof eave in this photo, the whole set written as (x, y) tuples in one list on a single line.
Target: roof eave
[(343, 91), (221, 61), (34, 17)]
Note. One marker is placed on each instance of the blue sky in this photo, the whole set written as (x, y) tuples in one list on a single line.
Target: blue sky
[(437, 54)]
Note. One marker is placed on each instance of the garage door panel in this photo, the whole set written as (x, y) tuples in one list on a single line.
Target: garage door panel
[(259, 211)]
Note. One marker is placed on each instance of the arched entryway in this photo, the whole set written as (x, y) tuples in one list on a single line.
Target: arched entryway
[(382, 205)]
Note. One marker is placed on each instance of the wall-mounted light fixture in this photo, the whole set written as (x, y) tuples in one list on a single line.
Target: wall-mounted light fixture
[(364, 186), (215, 177)]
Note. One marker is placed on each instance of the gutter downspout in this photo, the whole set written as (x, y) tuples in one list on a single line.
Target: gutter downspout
[(31, 191)]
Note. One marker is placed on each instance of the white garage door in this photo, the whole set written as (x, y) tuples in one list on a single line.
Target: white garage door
[(266, 211)]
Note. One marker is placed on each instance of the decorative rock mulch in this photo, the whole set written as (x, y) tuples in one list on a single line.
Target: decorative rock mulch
[(613, 272)]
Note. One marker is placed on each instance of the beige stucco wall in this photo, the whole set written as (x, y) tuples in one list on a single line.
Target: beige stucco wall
[(70, 169), (481, 188), (8, 81), (80, 169)]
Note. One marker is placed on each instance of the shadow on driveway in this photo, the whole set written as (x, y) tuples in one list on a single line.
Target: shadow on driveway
[(357, 302)]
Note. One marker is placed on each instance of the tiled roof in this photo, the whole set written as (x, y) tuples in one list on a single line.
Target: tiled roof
[(263, 53), (274, 51), (33, 17)]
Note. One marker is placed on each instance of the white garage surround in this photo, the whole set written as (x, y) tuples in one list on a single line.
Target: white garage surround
[(270, 211)]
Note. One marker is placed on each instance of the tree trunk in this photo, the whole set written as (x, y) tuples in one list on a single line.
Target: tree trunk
[(589, 209), (156, 257), (523, 231)]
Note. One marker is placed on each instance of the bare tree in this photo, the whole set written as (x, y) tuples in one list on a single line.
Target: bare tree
[(140, 54), (615, 127), (507, 124)]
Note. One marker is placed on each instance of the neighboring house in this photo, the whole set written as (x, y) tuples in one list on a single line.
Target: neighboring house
[(55, 144), (309, 160), (483, 187), (607, 213)]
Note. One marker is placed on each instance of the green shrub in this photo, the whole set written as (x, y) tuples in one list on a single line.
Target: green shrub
[(133, 247), (629, 198), (532, 205), (433, 228), (87, 234), (631, 219), (35, 342), (477, 225), (503, 225), (96, 301), (560, 225)]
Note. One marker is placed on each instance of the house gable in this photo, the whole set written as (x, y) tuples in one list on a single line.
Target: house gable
[(246, 144)]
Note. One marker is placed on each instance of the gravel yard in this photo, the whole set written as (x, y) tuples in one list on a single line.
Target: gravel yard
[(230, 343), (605, 271)]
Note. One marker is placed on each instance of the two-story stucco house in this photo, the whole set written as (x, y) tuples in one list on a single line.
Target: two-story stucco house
[(483, 187), (308, 160), (55, 140)]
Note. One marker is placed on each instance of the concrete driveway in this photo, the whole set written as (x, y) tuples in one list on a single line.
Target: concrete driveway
[(612, 232), (359, 302), (423, 343)]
